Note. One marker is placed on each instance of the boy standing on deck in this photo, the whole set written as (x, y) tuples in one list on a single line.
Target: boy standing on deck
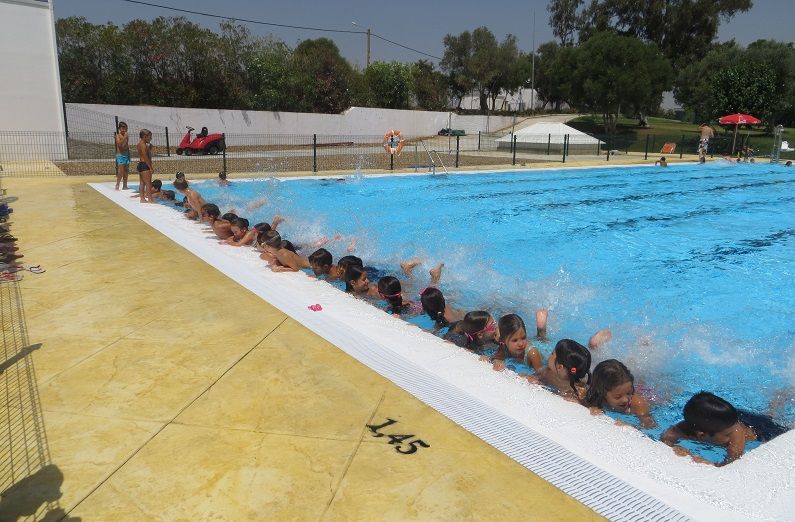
[(122, 155), (195, 200)]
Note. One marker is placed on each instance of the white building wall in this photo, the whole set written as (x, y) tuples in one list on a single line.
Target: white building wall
[(355, 121), (30, 91)]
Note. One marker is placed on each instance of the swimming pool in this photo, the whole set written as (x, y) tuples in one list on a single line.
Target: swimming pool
[(675, 261)]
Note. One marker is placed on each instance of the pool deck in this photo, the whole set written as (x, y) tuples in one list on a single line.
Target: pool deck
[(142, 384)]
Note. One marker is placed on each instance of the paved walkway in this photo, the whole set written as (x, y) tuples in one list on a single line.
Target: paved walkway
[(141, 384)]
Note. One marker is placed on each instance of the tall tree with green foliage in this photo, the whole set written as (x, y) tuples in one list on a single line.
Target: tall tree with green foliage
[(554, 74), (565, 20), (323, 75), (693, 85), (430, 86), (389, 85), (455, 62), (476, 61), (615, 73), (702, 90), (683, 30), (273, 81), (746, 88)]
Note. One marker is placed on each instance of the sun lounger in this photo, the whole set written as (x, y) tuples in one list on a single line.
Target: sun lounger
[(668, 148)]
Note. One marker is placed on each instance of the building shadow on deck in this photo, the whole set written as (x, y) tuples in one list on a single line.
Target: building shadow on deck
[(30, 484)]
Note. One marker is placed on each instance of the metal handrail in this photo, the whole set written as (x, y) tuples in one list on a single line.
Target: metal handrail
[(430, 157)]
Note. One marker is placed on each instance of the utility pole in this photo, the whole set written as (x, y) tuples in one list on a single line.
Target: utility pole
[(533, 70), (368, 44)]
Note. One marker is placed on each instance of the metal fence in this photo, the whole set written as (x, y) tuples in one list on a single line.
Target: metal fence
[(93, 153)]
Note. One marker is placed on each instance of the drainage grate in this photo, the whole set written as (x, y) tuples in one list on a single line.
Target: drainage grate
[(594, 487)]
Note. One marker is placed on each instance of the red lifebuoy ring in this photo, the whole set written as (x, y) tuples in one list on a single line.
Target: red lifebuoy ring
[(393, 142)]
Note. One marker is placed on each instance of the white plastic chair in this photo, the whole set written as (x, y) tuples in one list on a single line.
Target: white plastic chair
[(785, 147)]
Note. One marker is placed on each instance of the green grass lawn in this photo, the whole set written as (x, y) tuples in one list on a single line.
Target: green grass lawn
[(632, 138)]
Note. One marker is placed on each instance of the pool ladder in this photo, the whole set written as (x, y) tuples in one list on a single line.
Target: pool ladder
[(430, 153)]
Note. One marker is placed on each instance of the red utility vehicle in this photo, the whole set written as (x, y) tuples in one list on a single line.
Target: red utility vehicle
[(203, 143)]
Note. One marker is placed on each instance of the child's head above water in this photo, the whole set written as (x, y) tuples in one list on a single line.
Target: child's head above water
[(512, 334), (181, 185), (211, 210), (169, 195), (355, 278), (320, 260), (390, 291), (478, 326), (229, 216), (239, 226), (271, 239), (572, 361), (179, 175), (345, 261), (262, 227), (612, 386), (433, 304), (708, 414), (157, 184)]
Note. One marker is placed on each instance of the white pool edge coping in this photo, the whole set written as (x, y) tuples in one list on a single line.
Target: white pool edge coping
[(759, 486)]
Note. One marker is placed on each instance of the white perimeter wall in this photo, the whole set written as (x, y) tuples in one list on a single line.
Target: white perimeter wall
[(354, 121), (30, 90)]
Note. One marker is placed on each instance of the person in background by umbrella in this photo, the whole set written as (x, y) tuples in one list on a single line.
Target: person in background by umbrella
[(706, 134)]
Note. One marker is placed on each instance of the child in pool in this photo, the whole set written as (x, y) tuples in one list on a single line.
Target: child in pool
[(344, 262), (195, 200), (613, 387), (473, 332), (708, 418), (280, 259), (389, 289), (513, 343), (434, 304), (357, 281), (242, 235), (567, 367), (322, 263), (210, 214)]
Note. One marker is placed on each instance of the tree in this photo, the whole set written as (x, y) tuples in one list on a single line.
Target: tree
[(683, 29), (430, 86), (702, 87), (273, 79), (457, 51), (780, 58), (324, 76), (564, 20), (747, 88), (476, 61), (93, 68), (553, 74), (389, 85), (614, 71), (693, 86)]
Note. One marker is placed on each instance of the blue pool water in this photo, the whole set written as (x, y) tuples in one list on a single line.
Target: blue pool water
[(691, 267)]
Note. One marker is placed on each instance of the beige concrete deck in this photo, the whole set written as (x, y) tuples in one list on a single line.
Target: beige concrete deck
[(142, 384)]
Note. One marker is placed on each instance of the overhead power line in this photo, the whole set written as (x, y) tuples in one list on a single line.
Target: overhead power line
[(273, 24)]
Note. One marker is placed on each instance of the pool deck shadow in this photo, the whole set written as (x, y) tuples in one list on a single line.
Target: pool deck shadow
[(169, 392)]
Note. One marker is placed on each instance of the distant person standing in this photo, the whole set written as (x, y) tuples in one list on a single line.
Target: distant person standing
[(122, 155), (706, 134), (145, 168)]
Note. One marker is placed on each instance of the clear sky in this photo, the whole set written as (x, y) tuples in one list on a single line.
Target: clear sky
[(418, 24)]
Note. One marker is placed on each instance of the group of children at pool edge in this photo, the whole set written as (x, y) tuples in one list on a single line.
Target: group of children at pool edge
[(707, 417)]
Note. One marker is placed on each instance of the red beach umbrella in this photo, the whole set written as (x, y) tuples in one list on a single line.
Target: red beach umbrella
[(737, 120)]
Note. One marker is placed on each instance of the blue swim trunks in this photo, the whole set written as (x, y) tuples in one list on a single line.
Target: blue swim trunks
[(122, 159)]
